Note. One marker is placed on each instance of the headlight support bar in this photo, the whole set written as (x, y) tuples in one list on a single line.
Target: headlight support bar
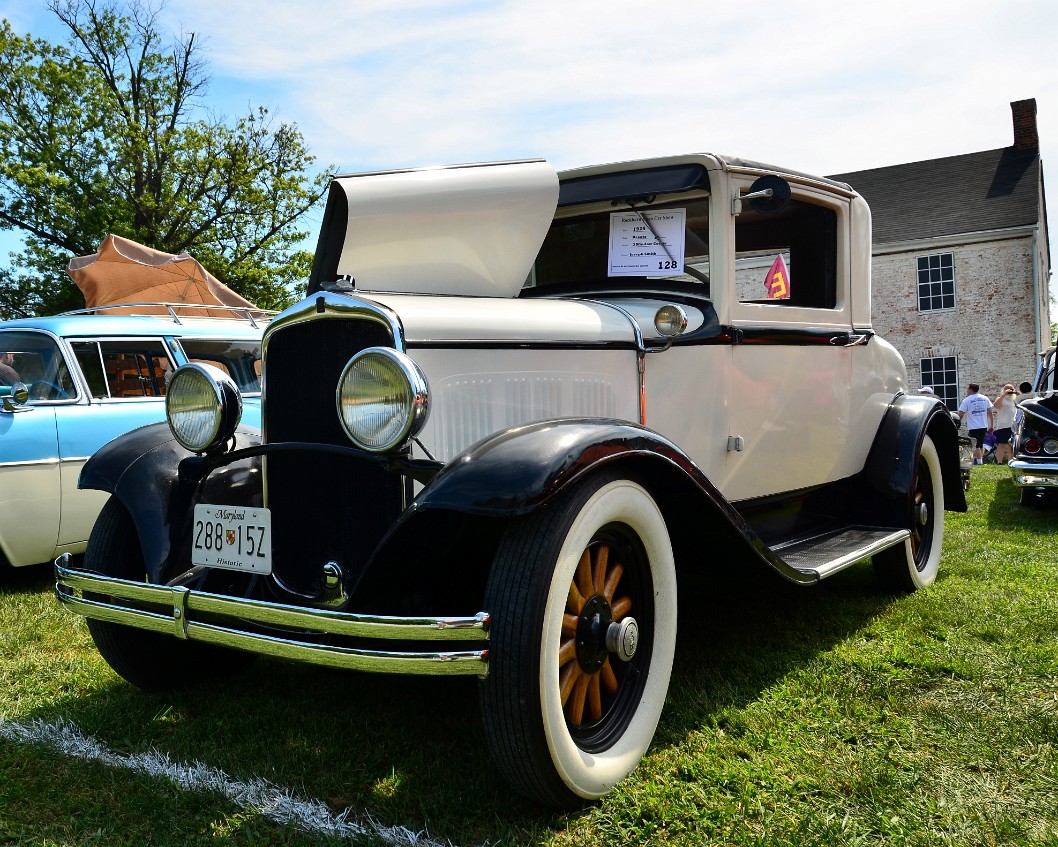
[(196, 468)]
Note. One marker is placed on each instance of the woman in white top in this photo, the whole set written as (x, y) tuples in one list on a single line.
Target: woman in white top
[(1004, 423)]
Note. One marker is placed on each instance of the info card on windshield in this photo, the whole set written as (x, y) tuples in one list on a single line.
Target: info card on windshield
[(647, 243)]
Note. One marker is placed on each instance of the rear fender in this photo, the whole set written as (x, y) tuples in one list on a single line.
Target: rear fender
[(890, 468), (142, 469)]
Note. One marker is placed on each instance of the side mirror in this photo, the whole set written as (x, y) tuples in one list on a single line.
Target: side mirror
[(13, 398), (768, 194)]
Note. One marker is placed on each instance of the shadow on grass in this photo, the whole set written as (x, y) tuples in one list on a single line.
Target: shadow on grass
[(411, 750), (32, 578), (1006, 512), (744, 631)]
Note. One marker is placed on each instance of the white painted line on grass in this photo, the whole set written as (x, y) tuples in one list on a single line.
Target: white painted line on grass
[(275, 803)]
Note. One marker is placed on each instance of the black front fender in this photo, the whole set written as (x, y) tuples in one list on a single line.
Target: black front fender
[(141, 469), (516, 472)]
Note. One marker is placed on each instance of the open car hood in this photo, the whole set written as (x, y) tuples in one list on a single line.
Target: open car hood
[(471, 230)]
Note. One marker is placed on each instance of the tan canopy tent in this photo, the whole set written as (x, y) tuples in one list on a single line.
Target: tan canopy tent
[(122, 271)]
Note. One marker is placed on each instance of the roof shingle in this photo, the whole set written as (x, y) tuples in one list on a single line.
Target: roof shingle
[(974, 192)]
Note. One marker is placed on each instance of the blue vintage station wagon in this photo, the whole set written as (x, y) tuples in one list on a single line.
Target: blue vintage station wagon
[(72, 382)]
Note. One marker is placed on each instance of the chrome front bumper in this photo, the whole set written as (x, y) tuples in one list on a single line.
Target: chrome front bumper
[(1034, 474), (178, 611)]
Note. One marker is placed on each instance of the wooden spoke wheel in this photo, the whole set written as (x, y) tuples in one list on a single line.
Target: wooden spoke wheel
[(583, 602), (590, 673)]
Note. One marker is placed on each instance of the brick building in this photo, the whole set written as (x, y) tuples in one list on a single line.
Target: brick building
[(961, 263)]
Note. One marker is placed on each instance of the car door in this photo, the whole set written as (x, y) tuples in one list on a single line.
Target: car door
[(791, 360), (29, 455), (124, 379)]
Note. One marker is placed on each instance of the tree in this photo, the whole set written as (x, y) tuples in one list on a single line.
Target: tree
[(110, 134)]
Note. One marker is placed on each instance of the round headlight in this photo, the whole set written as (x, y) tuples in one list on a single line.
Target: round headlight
[(203, 406), (382, 399)]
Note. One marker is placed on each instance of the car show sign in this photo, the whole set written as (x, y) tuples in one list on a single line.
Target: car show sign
[(647, 243)]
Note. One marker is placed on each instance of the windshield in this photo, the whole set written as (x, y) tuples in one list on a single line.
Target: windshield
[(33, 358), (627, 244), (240, 359)]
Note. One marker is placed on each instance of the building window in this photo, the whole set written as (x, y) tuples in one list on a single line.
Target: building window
[(941, 374), (936, 282)]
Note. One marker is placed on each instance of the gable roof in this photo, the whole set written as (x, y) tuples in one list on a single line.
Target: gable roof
[(974, 192)]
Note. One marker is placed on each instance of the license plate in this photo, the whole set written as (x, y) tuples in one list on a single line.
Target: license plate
[(237, 538)]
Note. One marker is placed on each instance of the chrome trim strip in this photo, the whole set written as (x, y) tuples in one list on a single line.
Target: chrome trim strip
[(328, 304), (29, 462), (177, 608)]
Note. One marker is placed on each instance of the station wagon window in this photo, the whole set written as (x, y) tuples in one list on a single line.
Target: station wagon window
[(787, 258), (240, 359), (40, 366), (936, 282), (124, 368)]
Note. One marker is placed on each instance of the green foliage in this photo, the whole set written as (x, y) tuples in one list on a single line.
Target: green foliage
[(110, 135)]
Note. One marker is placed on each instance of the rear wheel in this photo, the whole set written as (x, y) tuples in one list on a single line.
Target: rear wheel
[(914, 565), (583, 602), (149, 660)]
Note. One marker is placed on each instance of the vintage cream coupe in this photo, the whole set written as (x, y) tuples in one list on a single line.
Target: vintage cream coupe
[(514, 408)]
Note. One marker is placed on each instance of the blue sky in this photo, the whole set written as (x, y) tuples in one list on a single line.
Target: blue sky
[(823, 87)]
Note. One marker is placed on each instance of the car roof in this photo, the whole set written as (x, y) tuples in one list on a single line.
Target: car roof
[(73, 325)]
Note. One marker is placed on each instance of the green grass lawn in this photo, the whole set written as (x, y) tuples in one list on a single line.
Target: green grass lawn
[(833, 715)]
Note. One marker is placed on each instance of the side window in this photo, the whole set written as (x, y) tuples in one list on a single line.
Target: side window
[(788, 257), (34, 358), (240, 359), (87, 353), (124, 368)]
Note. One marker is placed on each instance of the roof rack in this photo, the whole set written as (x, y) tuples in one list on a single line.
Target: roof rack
[(172, 310)]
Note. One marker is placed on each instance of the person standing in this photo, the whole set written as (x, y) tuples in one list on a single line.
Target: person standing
[(977, 410), (8, 375), (1024, 393), (1003, 410)]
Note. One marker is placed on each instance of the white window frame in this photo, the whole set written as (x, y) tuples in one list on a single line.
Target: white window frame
[(935, 276)]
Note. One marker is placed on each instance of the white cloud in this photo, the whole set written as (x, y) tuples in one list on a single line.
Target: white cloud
[(815, 85)]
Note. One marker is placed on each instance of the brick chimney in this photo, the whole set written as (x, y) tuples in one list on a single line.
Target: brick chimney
[(1026, 139)]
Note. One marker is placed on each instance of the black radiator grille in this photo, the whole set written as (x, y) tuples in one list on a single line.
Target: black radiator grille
[(324, 508)]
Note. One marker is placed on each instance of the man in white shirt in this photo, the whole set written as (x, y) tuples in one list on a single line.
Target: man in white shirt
[(977, 410)]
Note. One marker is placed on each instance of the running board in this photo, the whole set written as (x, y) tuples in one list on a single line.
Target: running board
[(824, 555)]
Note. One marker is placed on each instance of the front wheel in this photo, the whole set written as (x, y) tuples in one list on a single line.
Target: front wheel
[(914, 564), (582, 596), (149, 660)]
